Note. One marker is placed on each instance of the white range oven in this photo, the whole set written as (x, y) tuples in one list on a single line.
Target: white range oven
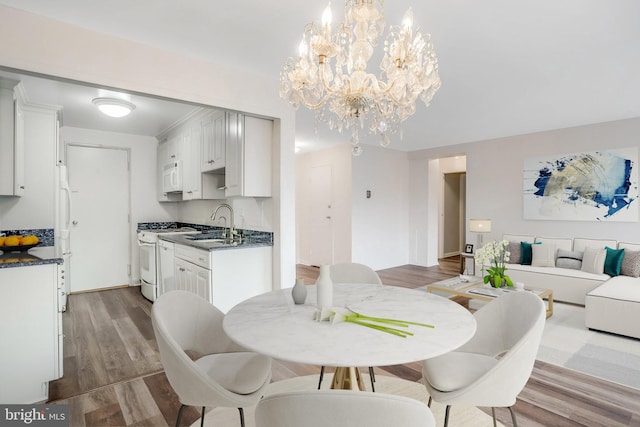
[(149, 258)]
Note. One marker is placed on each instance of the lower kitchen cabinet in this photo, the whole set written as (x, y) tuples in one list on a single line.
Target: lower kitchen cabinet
[(223, 277), (30, 333), (193, 278)]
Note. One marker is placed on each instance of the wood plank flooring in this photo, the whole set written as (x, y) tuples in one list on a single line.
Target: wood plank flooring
[(114, 377)]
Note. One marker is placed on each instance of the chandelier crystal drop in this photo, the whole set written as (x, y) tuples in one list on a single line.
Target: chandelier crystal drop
[(330, 74)]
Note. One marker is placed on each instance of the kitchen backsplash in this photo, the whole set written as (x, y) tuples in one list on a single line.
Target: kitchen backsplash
[(45, 235)]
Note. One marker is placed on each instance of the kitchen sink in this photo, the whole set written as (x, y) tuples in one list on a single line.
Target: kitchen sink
[(206, 238)]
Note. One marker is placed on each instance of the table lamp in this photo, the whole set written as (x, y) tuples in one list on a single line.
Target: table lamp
[(480, 226)]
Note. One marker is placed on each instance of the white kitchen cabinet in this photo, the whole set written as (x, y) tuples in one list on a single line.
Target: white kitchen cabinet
[(239, 274), (167, 279), (11, 140), (224, 277), (191, 175), (30, 333), (192, 271), (213, 145), (248, 156)]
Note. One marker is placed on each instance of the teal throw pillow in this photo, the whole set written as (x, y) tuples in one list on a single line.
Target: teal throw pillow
[(526, 253), (613, 261)]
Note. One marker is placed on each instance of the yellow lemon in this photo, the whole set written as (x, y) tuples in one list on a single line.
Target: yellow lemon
[(29, 240), (2, 239), (12, 241)]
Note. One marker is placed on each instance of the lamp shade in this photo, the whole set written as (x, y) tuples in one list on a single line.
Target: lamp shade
[(480, 225)]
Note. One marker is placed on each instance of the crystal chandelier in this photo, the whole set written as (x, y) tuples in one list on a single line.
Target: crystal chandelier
[(330, 77)]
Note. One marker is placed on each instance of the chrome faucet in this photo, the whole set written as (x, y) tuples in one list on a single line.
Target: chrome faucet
[(232, 231)]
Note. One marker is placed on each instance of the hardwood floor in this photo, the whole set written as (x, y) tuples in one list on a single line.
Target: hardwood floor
[(114, 377)]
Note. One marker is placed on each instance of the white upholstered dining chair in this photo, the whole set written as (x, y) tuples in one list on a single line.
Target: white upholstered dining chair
[(341, 408), (353, 272), (224, 375), (493, 367)]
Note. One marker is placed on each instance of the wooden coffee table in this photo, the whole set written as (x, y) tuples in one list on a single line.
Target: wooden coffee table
[(475, 289)]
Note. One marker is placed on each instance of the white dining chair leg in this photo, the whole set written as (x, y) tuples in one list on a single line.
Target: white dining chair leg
[(493, 414)]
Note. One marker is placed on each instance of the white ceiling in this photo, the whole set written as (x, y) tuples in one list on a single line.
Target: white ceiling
[(507, 67)]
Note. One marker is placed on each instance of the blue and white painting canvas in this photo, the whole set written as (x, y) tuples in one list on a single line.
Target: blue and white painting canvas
[(589, 186)]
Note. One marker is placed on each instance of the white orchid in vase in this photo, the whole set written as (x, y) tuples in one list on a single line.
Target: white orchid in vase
[(494, 254)]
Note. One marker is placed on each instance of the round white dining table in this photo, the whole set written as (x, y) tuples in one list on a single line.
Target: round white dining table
[(271, 324)]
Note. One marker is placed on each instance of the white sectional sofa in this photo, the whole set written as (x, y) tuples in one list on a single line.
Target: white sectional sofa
[(612, 304)]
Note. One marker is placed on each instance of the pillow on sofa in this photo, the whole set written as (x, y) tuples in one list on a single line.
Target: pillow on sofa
[(630, 264), (515, 254), (570, 259), (593, 260), (613, 261), (543, 255), (526, 253)]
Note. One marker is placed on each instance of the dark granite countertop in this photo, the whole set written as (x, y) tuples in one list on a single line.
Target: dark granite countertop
[(248, 240), (35, 256)]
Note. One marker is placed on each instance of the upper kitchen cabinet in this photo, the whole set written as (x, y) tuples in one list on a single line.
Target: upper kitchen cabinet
[(198, 185), (248, 156), (11, 140), (213, 141)]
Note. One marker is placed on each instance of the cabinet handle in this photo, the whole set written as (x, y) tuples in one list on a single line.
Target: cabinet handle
[(211, 161), (22, 187), (173, 156), (181, 269)]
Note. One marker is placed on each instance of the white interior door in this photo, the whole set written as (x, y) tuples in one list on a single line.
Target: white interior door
[(321, 233), (99, 235)]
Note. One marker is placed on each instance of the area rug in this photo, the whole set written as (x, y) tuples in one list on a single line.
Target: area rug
[(459, 416), (568, 343)]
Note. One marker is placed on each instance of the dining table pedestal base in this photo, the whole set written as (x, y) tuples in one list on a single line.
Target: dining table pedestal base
[(347, 378)]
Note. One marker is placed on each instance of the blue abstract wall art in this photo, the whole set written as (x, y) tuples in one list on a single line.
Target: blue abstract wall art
[(589, 186)]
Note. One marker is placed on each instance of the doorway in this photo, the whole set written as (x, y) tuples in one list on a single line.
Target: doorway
[(99, 179), (453, 213)]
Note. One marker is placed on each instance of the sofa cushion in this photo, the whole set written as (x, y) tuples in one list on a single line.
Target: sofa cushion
[(543, 255), (560, 243), (569, 259), (593, 260), (580, 244), (629, 246), (622, 288), (555, 271), (613, 261), (630, 263), (515, 253), (527, 254)]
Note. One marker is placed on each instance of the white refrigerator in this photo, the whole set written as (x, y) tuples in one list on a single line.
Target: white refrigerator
[(62, 243)]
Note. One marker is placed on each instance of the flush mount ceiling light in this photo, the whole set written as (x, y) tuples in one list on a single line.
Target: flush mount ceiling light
[(114, 107), (329, 75)]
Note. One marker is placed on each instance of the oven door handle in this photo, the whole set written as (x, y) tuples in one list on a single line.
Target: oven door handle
[(141, 243)]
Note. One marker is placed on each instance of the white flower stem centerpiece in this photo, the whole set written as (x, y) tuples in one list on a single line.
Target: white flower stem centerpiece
[(495, 255)]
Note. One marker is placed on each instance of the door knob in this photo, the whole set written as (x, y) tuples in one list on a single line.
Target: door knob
[(75, 223)]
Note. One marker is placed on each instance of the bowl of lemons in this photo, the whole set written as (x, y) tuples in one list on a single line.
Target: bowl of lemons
[(15, 243)]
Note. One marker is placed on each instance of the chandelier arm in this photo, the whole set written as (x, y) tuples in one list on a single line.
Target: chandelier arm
[(316, 105)]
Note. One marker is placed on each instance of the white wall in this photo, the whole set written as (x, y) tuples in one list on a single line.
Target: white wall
[(67, 51), (380, 225), (339, 158), (495, 178)]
